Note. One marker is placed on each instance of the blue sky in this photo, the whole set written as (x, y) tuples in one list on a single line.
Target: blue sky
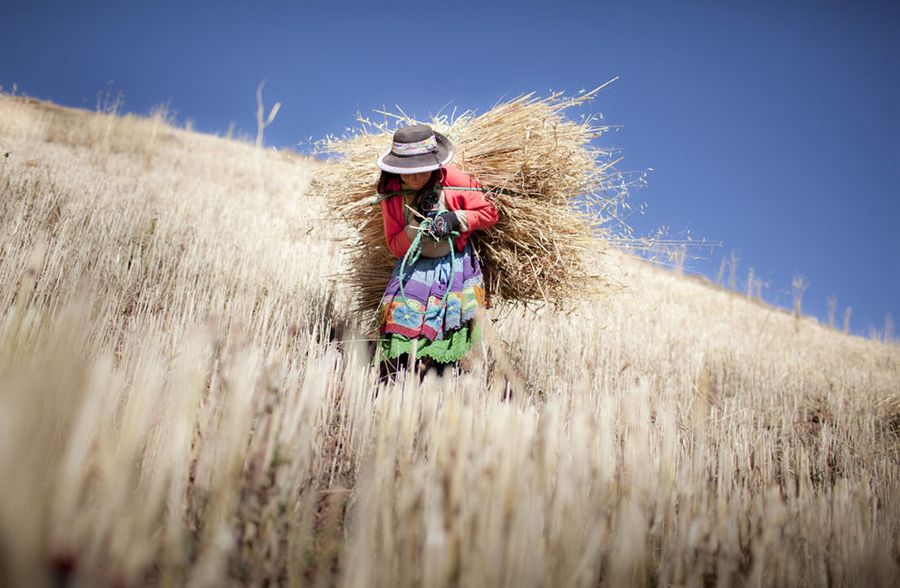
[(771, 127)]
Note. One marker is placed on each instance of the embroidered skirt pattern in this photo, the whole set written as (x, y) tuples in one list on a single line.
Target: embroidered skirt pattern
[(435, 306)]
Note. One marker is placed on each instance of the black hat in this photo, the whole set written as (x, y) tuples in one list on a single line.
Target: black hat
[(416, 149)]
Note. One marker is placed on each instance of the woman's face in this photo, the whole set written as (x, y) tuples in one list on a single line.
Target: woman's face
[(415, 181)]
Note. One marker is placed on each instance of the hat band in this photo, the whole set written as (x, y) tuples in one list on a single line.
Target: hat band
[(428, 145)]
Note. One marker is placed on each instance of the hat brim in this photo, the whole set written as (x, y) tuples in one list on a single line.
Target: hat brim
[(416, 164)]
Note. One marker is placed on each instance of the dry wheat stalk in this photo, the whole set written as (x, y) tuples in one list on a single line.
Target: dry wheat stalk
[(554, 192)]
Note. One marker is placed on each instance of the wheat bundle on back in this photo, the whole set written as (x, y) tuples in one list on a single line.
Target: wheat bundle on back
[(553, 191)]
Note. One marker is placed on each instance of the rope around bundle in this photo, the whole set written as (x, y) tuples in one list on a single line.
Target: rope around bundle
[(378, 197)]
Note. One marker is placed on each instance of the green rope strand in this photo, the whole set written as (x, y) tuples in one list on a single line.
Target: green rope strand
[(412, 256), (378, 197), (415, 249)]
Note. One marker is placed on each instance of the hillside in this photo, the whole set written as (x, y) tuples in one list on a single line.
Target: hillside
[(184, 399)]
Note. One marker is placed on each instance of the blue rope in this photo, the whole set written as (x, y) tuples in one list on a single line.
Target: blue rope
[(378, 197), (415, 249), (412, 256)]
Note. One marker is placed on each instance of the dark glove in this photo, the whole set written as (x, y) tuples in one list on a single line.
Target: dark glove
[(444, 224), (427, 206)]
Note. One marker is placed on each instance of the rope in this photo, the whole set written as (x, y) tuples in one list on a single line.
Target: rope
[(415, 249), (378, 197), (412, 256)]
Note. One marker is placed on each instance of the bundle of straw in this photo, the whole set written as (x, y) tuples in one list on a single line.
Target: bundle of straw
[(554, 192)]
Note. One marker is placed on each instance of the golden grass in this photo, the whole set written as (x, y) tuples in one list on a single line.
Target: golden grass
[(178, 408)]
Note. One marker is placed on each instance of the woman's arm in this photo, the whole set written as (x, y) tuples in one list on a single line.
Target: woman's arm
[(398, 235), (474, 210), (430, 247), (480, 213), (477, 212)]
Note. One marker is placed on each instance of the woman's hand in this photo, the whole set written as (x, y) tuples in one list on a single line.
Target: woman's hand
[(412, 229), (430, 247), (444, 224)]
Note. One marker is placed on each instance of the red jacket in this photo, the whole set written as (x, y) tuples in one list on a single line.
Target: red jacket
[(479, 212)]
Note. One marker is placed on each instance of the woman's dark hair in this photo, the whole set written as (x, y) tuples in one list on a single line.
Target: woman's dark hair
[(386, 178)]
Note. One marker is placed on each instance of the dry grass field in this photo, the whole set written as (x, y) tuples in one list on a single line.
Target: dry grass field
[(185, 401)]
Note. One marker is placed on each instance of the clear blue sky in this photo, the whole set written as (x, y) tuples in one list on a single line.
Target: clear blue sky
[(772, 127)]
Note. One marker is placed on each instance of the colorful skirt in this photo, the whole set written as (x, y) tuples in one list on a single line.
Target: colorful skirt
[(432, 305)]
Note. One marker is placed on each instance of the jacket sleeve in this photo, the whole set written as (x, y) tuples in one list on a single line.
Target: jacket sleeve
[(394, 227), (480, 213)]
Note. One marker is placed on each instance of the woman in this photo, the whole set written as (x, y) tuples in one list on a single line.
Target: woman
[(430, 210)]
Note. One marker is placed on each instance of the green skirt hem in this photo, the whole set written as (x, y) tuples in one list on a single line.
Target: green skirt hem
[(446, 350)]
